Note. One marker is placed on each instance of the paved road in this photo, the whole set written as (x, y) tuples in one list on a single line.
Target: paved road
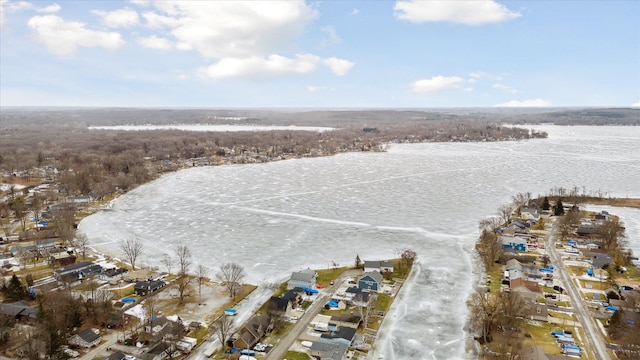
[(285, 342), (593, 339)]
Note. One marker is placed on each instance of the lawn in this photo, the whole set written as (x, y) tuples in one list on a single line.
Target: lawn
[(326, 276), (294, 355)]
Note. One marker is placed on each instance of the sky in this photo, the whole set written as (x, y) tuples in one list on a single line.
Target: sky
[(320, 54)]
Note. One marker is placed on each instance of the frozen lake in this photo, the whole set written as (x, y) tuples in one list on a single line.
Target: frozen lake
[(283, 216)]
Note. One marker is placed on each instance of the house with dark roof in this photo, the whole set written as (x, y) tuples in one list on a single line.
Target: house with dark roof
[(350, 320), (379, 266), (253, 331), (117, 356), (19, 310), (86, 338), (342, 335), (144, 288), (535, 311), (357, 297), (73, 274), (370, 281), (278, 306), (112, 274), (159, 351), (303, 279), (328, 350), (599, 260)]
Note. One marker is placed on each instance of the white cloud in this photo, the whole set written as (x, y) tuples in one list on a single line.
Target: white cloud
[(118, 18), (312, 88), (64, 37), (154, 42), (6, 6), (636, 104), (475, 12), (233, 29), (339, 67), (49, 9), (505, 88), (526, 103), (140, 2), (354, 12), (331, 38), (261, 66), (436, 84), (476, 75), (272, 65)]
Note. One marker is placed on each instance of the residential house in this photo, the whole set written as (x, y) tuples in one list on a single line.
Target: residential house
[(144, 288), (328, 351), (530, 214), (357, 297), (80, 270), (159, 351), (519, 226), (303, 279), (113, 274), (117, 356), (156, 325), (599, 260), (370, 281), (527, 289), (535, 311), (294, 296), (278, 306), (513, 243), (253, 331), (379, 266), (350, 320), (342, 335), (19, 310), (86, 338)]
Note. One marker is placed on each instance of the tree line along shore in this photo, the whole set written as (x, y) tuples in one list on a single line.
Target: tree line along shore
[(559, 281)]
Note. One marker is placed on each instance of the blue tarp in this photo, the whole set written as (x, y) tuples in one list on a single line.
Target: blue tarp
[(128, 300), (247, 352), (547, 270), (557, 333), (310, 291), (332, 304), (611, 308), (234, 350), (44, 223), (590, 272), (230, 311), (572, 242)]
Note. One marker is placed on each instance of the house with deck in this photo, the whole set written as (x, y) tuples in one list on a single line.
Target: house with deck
[(303, 279), (371, 281)]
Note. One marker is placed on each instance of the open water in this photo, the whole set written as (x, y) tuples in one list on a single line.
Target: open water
[(284, 216)]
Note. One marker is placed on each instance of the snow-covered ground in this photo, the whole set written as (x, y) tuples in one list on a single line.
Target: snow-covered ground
[(280, 217)]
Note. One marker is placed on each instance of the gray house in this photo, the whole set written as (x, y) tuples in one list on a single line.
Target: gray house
[(370, 281), (86, 339), (303, 278)]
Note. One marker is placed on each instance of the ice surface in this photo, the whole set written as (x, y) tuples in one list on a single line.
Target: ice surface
[(285, 216)]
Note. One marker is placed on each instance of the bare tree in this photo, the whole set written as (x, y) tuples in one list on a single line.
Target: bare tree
[(483, 308), (131, 248), (82, 242), (231, 274), (201, 274), (168, 262), (408, 256), (183, 255), (521, 200), (505, 212), (223, 328)]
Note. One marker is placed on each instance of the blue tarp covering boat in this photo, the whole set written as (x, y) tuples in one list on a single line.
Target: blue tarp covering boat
[(229, 311)]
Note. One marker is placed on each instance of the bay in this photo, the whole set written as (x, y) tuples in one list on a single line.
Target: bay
[(284, 216)]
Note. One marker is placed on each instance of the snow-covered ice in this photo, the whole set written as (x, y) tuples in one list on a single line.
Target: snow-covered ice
[(280, 217)]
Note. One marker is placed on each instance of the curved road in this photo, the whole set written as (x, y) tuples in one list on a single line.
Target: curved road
[(593, 339)]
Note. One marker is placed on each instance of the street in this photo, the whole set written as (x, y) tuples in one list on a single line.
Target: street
[(593, 339)]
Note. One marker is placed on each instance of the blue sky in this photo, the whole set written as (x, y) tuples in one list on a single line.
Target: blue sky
[(327, 54)]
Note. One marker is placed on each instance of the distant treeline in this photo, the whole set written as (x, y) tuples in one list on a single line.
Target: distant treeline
[(56, 146)]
